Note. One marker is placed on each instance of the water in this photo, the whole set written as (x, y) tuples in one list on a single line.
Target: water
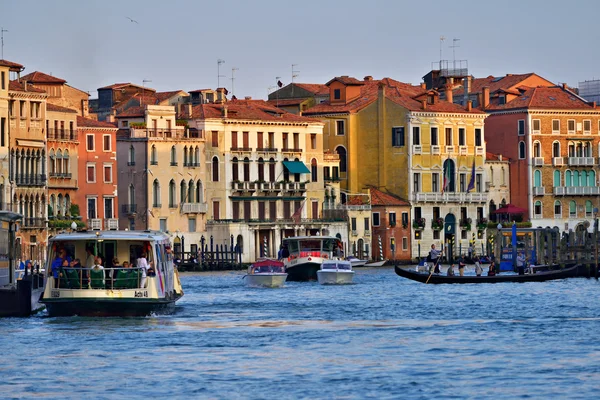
[(384, 337)]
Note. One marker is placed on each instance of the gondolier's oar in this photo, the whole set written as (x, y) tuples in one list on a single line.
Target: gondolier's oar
[(433, 269)]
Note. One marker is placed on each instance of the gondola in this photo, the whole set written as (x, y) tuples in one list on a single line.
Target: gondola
[(571, 272)]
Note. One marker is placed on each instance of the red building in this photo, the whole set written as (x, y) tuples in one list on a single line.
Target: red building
[(391, 227)]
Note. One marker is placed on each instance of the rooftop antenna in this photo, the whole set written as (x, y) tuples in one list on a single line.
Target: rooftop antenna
[(295, 74), (442, 38), (219, 76), (269, 90), (454, 46), (232, 79), (277, 82), (144, 81), (2, 30)]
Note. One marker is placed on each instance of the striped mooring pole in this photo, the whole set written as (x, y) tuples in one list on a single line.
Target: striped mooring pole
[(265, 248), (380, 248)]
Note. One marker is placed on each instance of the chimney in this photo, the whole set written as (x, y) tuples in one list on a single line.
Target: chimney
[(85, 108), (448, 93), (423, 85), (564, 86), (248, 98), (593, 104), (424, 104), (469, 105), (224, 111), (485, 93), (368, 78), (500, 157), (189, 110), (25, 84), (467, 88)]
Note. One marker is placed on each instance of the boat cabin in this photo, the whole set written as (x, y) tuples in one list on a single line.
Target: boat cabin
[(267, 267), (312, 246), (337, 265)]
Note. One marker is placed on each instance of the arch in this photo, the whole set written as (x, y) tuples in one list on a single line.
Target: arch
[(261, 169), (576, 178), (66, 162), (131, 194), (131, 155), (52, 157), (59, 166), (522, 153), (589, 209), (185, 156), (272, 166), (156, 193), (492, 208), (246, 169), (556, 179), (239, 243), (583, 178), (314, 170), (492, 175), (191, 192), (67, 204), (153, 156), (215, 169), (199, 192), (286, 173), (172, 194), (360, 252), (450, 224), (182, 192), (537, 178), (450, 170), (342, 153), (571, 149), (52, 210), (587, 149), (173, 155), (235, 171), (557, 209), (59, 205), (537, 149), (556, 148), (197, 157), (568, 178), (592, 178), (537, 209), (572, 209)]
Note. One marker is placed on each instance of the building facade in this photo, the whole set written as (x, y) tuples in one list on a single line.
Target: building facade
[(498, 183), (391, 238)]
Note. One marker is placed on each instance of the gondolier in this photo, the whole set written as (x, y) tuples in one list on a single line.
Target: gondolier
[(434, 254)]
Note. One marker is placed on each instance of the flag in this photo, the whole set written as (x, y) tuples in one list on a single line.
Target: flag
[(279, 84), (472, 181), (151, 213), (446, 183), (298, 213)]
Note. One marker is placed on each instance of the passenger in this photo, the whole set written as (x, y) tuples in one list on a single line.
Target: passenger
[(142, 264), (56, 265), (126, 264), (450, 271), (478, 269), (90, 260), (521, 263), (461, 266), (492, 269), (28, 267)]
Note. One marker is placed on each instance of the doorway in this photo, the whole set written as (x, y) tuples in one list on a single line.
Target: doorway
[(450, 236)]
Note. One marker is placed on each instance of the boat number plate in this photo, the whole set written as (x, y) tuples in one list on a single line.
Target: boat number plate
[(55, 293), (141, 293)]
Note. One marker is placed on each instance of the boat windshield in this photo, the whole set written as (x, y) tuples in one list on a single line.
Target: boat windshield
[(268, 269), (329, 266)]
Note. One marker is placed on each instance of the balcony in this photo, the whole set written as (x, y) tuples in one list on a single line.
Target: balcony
[(354, 207), (539, 191), (479, 151), (435, 150), (558, 161), (353, 233), (129, 208), (417, 149), (538, 161), (332, 179), (241, 149), (111, 224), (158, 133), (576, 190), (451, 197), (266, 149), (291, 150), (367, 233), (581, 161), (95, 224), (34, 222), (30, 180), (450, 149), (64, 175), (61, 134), (462, 150), (194, 208)]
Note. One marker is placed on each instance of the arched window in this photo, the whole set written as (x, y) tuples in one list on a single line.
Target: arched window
[(592, 178), (449, 170), (583, 179), (156, 194), (537, 209), (235, 170), (59, 161), (59, 205), (153, 156), (343, 161), (66, 162), (576, 178), (261, 169), (556, 182), (52, 210), (492, 216), (587, 149), (556, 149), (173, 155), (191, 192), (199, 194), (568, 178), (589, 209), (52, 162), (131, 156), (571, 148), (131, 198), (286, 173), (314, 170), (183, 192), (172, 195), (197, 157), (297, 176), (537, 178), (572, 209), (522, 150), (272, 170), (537, 149), (215, 169), (246, 169), (185, 156), (492, 175), (557, 209)]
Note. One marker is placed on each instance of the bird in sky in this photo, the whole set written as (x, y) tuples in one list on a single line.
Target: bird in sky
[(132, 20)]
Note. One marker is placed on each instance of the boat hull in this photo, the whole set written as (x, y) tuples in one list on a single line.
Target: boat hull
[(22, 299), (303, 271), (102, 307), (571, 272), (335, 277), (376, 264), (266, 280)]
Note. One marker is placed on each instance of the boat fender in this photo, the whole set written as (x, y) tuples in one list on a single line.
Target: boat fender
[(309, 259)]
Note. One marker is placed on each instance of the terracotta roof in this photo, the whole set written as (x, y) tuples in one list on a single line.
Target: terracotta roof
[(10, 64), (357, 200), (315, 88), (287, 102), (92, 123), (138, 111), (400, 93), (162, 96), (201, 90), (346, 80), (379, 198), (40, 77), (256, 110), (122, 85), (509, 81), (53, 107), (495, 157), (542, 97), (19, 87)]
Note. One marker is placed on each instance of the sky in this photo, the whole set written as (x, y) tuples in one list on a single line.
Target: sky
[(175, 44)]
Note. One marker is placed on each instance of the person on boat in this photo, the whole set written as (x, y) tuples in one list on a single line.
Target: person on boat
[(126, 264), (280, 253), (478, 269), (142, 264), (461, 265), (492, 269), (521, 263), (450, 271), (57, 264), (434, 254)]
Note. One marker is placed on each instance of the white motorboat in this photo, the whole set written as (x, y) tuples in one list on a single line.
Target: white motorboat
[(376, 263), (356, 262), (266, 273), (303, 255), (335, 272)]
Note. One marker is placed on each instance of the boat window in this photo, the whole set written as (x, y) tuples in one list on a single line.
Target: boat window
[(329, 266), (343, 266), (310, 245), (293, 246)]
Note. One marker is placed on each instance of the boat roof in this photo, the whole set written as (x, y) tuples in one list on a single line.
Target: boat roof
[(111, 235), (336, 262), (267, 263), (311, 237)]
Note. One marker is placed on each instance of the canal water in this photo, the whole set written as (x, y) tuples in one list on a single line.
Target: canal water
[(384, 337)]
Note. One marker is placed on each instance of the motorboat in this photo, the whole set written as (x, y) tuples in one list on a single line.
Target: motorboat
[(266, 273), (303, 255), (150, 286), (356, 262), (376, 263), (335, 272)]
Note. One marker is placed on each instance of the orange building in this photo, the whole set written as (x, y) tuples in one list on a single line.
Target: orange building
[(391, 228)]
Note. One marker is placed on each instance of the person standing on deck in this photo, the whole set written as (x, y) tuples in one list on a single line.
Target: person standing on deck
[(461, 266), (478, 269), (521, 263)]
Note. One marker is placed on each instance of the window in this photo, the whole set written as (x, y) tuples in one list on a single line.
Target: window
[(296, 140), (173, 156), (155, 193), (106, 142), (462, 139), (313, 170), (246, 140), (537, 178), (91, 173), (392, 218), (367, 226), (375, 219), (404, 243), (536, 126), (537, 209), (339, 127), (271, 140), (89, 139), (162, 224), (124, 124), (215, 138), (337, 94), (353, 223), (108, 174), (153, 157), (478, 183), (572, 209), (172, 199), (313, 141), (416, 135), (557, 209), (556, 179), (3, 80), (191, 224), (537, 149), (463, 182), (589, 210), (435, 182), (587, 126), (398, 136), (556, 149), (92, 211), (478, 140), (521, 127), (2, 132), (235, 171), (416, 182), (109, 203), (131, 156), (571, 126), (448, 136), (246, 169), (434, 136), (342, 154), (272, 210), (215, 169), (555, 126), (522, 150), (404, 219)]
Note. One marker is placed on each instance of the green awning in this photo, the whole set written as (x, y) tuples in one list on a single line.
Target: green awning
[(296, 167)]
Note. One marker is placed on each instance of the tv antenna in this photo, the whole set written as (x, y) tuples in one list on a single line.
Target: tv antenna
[(454, 46), (295, 74), (232, 79), (219, 76), (2, 30), (442, 38)]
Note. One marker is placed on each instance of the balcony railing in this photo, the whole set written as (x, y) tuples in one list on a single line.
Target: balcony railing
[(576, 190), (417, 149), (35, 222), (65, 175), (129, 208), (539, 191), (332, 179), (581, 161), (451, 197), (538, 161), (558, 161), (241, 149), (111, 224), (450, 149), (291, 150), (95, 224), (435, 150), (158, 134), (462, 150), (30, 179), (327, 206), (194, 208), (266, 149), (61, 134), (479, 151)]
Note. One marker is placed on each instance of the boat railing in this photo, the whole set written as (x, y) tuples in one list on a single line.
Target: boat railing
[(99, 278)]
